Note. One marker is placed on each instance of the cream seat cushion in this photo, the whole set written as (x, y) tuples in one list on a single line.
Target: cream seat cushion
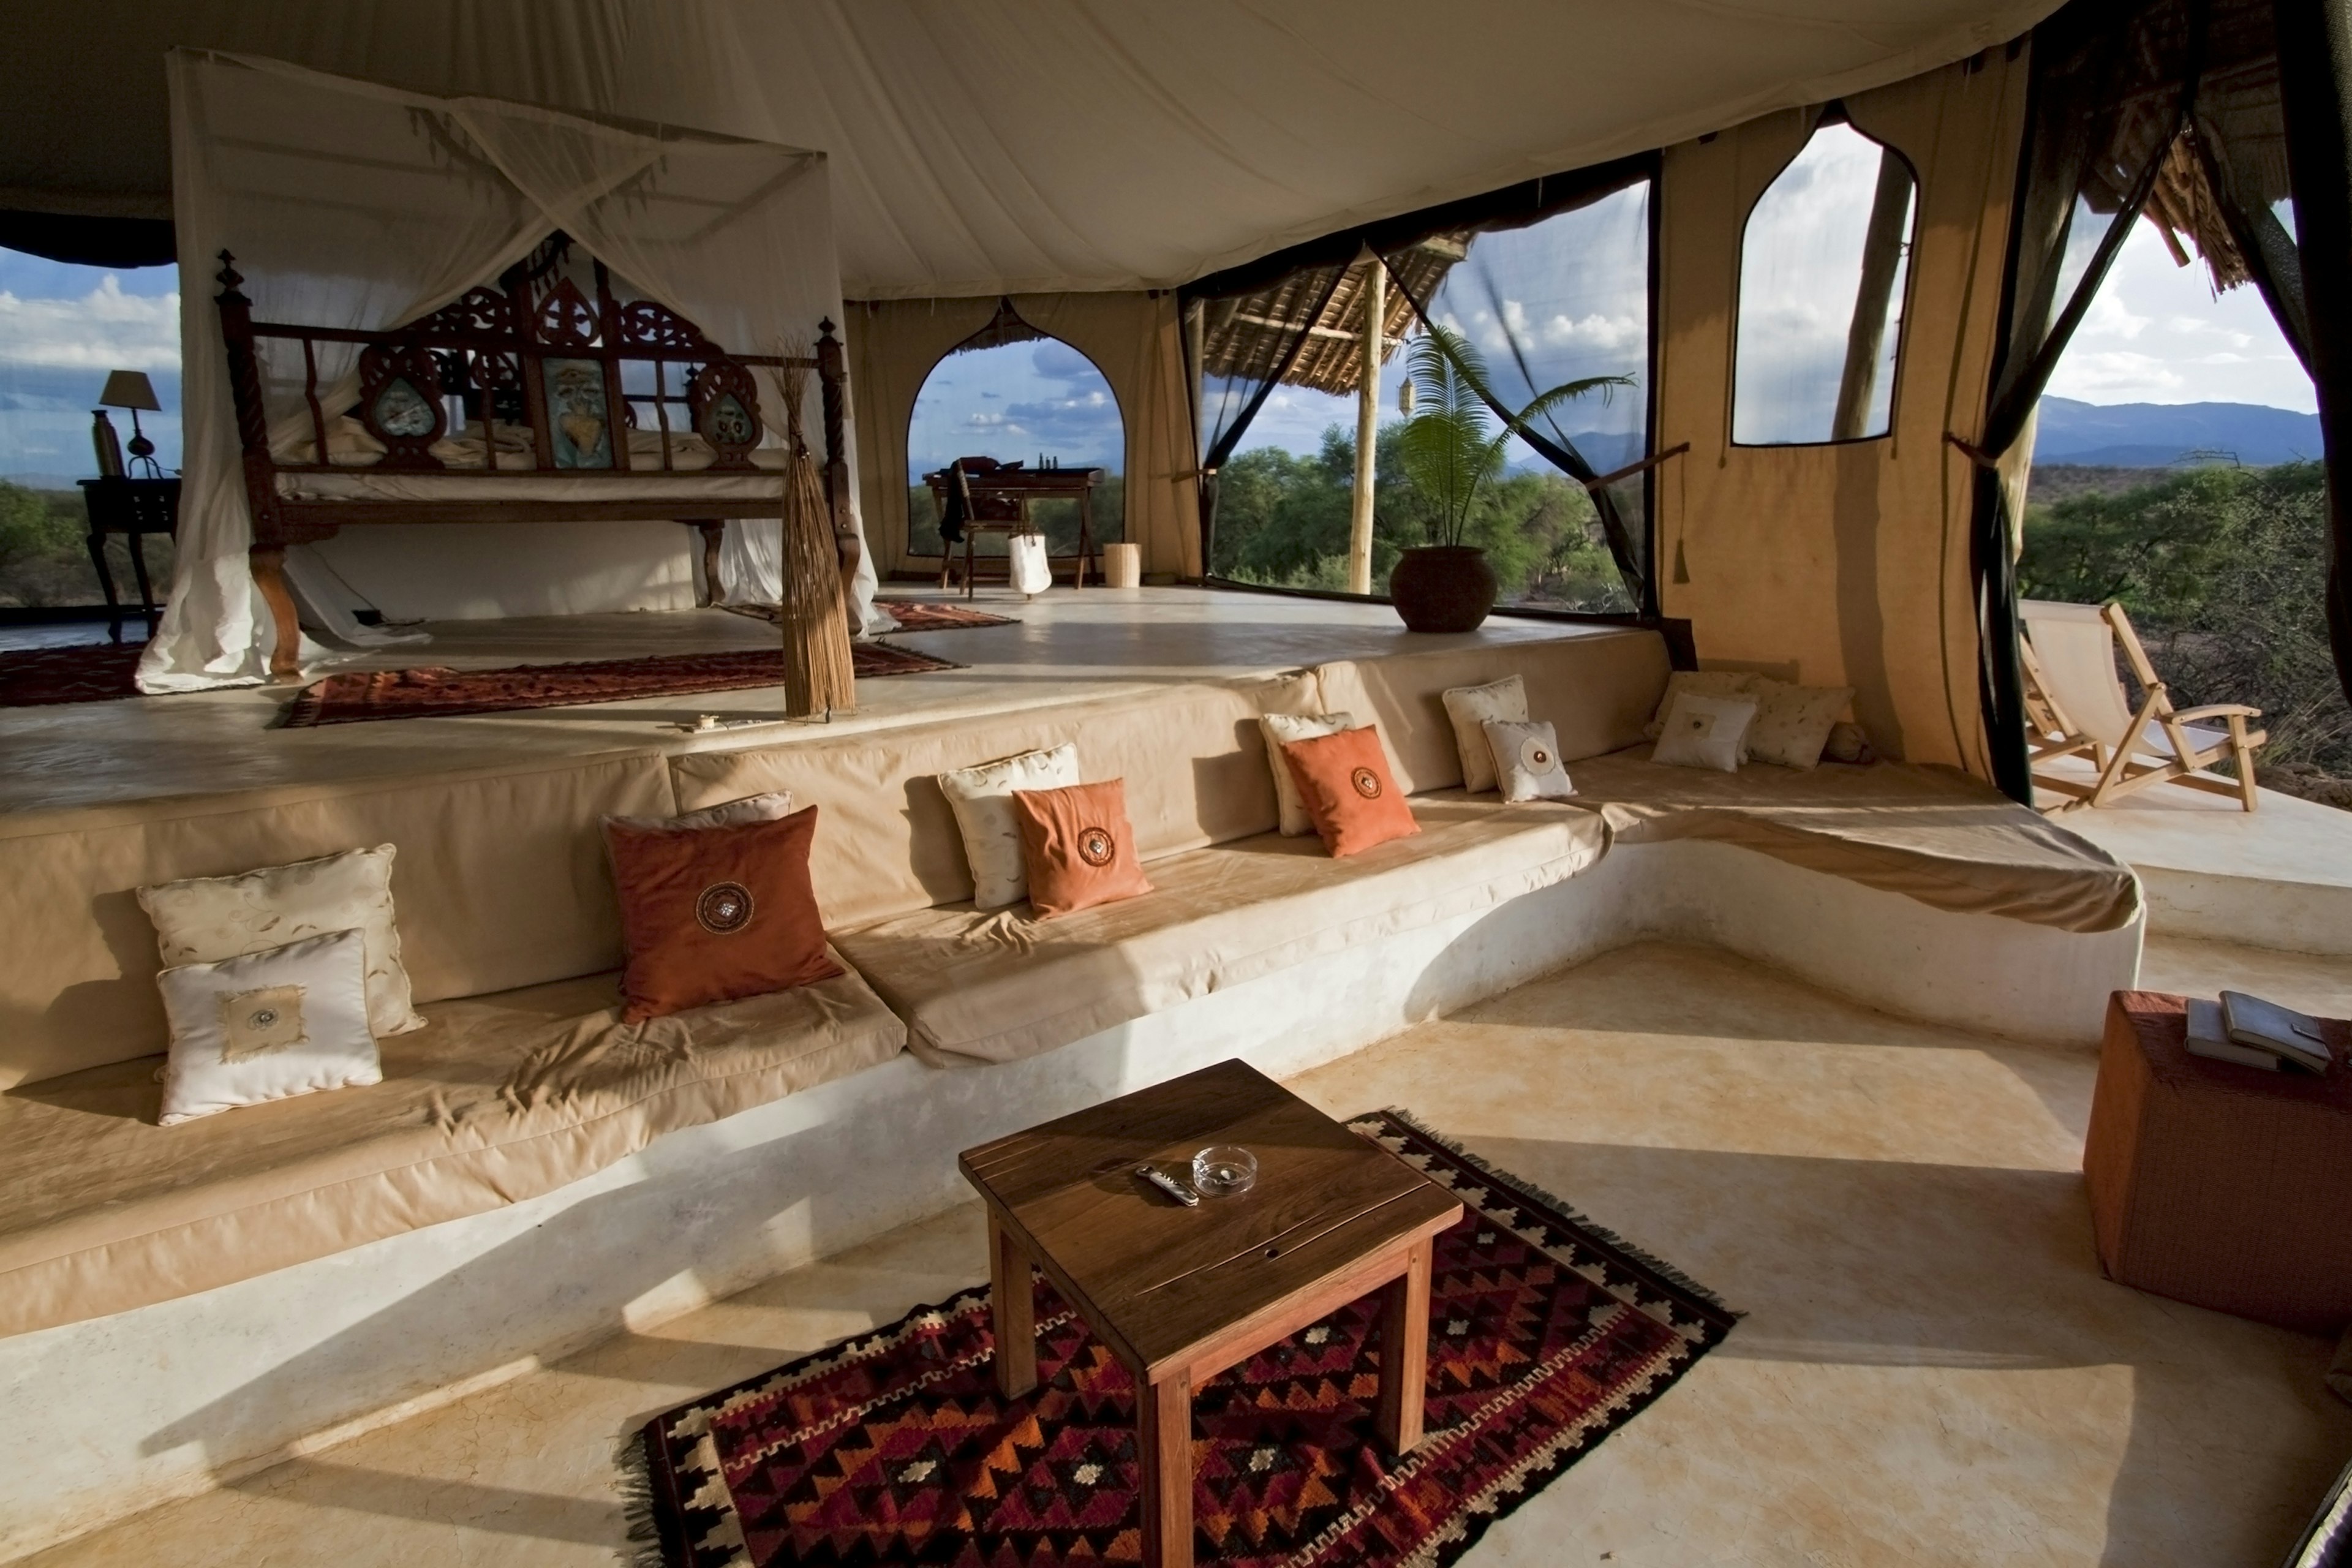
[(1932, 834), (1279, 729), (202, 919), (976, 986), (495, 1100), (982, 798)]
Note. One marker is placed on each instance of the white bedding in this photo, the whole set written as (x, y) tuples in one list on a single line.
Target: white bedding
[(351, 447)]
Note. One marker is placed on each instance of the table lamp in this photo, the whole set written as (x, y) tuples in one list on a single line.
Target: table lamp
[(130, 389)]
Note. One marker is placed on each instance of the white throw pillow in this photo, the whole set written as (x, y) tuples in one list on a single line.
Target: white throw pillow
[(1705, 731), (982, 800), (289, 1020), (772, 807), (1470, 707), (1793, 722), (1279, 729), (1526, 759), (1700, 683), (203, 920)]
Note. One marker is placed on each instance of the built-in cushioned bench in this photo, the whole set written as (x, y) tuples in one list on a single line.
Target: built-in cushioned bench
[(532, 1175)]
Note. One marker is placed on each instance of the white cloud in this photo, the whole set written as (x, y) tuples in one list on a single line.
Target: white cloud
[(104, 329)]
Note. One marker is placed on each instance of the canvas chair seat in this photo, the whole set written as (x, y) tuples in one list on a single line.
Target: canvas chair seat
[(2076, 707)]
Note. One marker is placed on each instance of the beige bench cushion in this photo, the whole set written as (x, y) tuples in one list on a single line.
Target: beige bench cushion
[(497, 1100), (1595, 687), (1929, 833), (996, 985), (502, 882), (886, 842)]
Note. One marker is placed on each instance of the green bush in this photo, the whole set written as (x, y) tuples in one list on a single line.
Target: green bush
[(2222, 571), (1283, 520)]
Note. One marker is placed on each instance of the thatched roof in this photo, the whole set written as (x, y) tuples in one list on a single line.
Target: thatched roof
[(1247, 336), (2243, 138)]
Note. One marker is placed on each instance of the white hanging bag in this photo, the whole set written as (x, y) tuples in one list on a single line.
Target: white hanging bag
[(1030, 574)]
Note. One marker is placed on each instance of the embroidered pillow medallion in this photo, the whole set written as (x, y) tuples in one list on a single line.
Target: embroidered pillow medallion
[(716, 913)]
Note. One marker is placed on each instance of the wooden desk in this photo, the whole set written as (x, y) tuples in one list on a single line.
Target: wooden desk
[(134, 509), (1180, 1294), (1002, 498)]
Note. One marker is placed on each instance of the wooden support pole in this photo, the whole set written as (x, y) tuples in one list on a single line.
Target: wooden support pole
[(1368, 427), (1882, 257)]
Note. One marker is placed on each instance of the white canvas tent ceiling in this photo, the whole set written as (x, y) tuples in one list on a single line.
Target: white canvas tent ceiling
[(1023, 145)]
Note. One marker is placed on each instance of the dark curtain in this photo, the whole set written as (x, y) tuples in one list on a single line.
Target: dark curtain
[(1274, 314), (1282, 295), (2112, 83), (2315, 55), (1527, 279)]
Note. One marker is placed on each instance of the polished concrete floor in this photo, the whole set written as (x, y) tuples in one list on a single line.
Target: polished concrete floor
[(1932, 1370), (1064, 647)]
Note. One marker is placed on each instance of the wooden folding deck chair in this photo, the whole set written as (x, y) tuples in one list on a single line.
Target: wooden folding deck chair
[(2076, 706)]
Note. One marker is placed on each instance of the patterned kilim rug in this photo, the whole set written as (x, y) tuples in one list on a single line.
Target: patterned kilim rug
[(912, 615), (1546, 1334), (76, 672), (441, 693)]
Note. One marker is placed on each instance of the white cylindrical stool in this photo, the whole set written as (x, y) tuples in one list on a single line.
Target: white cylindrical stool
[(1123, 566)]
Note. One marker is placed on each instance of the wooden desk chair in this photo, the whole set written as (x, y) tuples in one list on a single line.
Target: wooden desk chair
[(134, 509), (2076, 705), (990, 514)]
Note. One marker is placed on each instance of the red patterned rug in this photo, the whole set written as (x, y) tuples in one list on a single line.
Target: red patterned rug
[(1546, 1334), (76, 672), (436, 693), (912, 615)]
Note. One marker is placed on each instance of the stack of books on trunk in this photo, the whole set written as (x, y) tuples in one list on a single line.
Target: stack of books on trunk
[(2254, 1033)]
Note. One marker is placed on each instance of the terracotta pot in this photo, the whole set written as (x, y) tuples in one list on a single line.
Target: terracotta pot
[(1443, 588)]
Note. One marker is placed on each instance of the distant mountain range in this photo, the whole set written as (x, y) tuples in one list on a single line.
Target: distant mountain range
[(2113, 435), (2157, 434)]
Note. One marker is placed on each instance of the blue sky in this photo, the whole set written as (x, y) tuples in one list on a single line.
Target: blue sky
[(2156, 335)]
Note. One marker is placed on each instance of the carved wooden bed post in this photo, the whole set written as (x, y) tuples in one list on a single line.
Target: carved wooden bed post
[(832, 378), (268, 548)]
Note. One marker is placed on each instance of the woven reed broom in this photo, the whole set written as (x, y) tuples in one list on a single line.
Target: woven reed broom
[(818, 678)]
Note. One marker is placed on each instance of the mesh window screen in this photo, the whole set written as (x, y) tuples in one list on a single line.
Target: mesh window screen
[(1823, 265), (1560, 301)]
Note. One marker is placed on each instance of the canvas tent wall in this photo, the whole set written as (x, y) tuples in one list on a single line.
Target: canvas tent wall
[(356, 205)]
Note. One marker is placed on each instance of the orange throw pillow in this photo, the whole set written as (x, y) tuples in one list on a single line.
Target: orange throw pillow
[(1345, 782), (712, 914), (1078, 847)]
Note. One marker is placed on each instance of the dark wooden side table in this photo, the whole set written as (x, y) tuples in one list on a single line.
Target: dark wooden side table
[(1180, 1294), (133, 508)]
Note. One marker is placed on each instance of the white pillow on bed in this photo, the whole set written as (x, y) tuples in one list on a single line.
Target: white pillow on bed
[(1469, 707), (983, 801), (1705, 732), (267, 1025), (1280, 729)]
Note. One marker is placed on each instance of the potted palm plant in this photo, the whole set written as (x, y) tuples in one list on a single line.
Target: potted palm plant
[(1452, 449)]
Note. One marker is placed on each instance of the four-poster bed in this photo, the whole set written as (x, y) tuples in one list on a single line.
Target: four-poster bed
[(535, 370)]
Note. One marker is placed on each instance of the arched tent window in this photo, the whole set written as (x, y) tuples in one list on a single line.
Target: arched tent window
[(1822, 269), (1013, 394)]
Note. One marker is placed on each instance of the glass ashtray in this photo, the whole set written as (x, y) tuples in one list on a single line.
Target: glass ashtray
[(1223, 1170)]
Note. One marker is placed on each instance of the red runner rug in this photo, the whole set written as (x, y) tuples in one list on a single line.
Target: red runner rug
[(75, 672), (440, 693), (1546, 1334)]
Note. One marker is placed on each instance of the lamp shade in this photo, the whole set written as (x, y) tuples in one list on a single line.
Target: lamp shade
[(129, 389)]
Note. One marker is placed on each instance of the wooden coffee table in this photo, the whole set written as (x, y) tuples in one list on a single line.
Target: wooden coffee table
[(1180, 1294)]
